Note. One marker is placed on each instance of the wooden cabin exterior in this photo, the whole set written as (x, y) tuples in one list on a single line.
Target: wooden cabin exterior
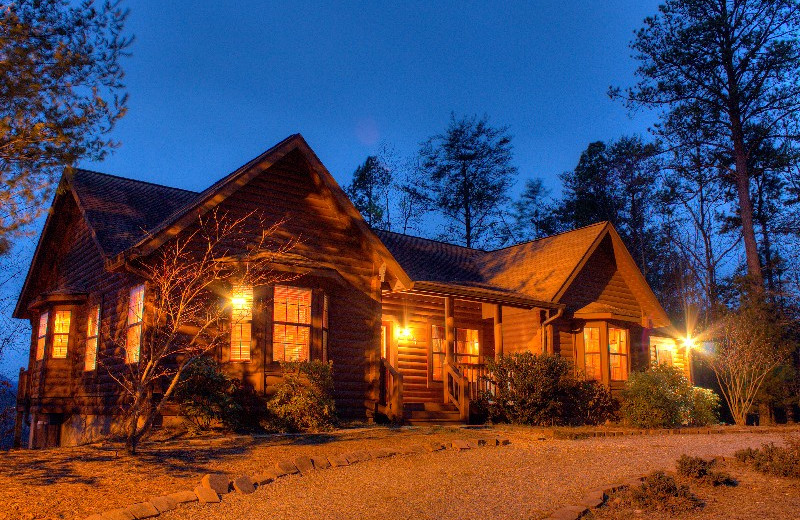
[(408, 323)]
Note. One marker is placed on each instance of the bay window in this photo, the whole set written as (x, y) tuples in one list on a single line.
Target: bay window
[(605, 352), (133, 338), (291, 334), (92, 336), (61, 324)]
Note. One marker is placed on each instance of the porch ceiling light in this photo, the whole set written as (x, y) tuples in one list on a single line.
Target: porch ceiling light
[(405, 334), (689, 342)]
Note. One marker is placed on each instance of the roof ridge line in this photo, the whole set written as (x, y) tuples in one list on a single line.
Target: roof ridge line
[(137, 181), (433, 240), (602, 222)]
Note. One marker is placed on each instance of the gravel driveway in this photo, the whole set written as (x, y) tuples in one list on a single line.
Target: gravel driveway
[(528, 479)]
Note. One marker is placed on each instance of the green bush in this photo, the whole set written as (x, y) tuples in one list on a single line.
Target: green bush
[(662, 397), (542, 390), (783, 461), (303, 401), (206, 395), (703, 471)]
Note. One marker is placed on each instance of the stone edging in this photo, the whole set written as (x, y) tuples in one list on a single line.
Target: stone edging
[(592, 499), (212, 486)]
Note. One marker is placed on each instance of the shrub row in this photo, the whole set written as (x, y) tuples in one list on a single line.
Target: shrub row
[(302, 402), (542, 390)]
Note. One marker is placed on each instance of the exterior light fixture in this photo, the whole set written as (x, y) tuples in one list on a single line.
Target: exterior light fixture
[(405, 334), (688, 342)]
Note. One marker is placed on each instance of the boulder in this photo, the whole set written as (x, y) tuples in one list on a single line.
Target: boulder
[(304, 464), (243, 485), (143, 510), (338, 460), (287, 466), (206, 495), (320, 462), (164, 503), (183, 496), (217, 482)]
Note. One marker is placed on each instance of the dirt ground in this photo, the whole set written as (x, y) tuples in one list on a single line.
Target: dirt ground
[(528, 479), (755, 495)]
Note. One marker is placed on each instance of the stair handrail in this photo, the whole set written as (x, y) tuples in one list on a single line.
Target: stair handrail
[(394, 399), (456, 389)]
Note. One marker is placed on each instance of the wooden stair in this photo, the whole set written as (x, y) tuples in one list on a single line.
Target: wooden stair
[(429, 413)]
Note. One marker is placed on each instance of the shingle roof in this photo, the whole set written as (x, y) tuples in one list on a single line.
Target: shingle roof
[(536, 269), (121, 211)]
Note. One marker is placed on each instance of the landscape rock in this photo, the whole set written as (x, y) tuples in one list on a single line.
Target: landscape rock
[(338, 460), (217, 482), (419, 448), (287, 466), (143, 510), (206, 495), (321, 462), (461, 444), (183, 496), (304, 464), (244, 485), (263, 478), (164, 503)]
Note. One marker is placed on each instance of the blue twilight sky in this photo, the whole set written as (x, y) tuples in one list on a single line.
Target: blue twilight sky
[(213, 84)]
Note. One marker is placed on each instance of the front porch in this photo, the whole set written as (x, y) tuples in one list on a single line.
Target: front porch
[(435, 347)]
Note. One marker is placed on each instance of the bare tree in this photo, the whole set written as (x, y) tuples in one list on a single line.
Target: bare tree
[(186, 308), (750, 346)]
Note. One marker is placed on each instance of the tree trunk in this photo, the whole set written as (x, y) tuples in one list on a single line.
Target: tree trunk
[(765, 414)]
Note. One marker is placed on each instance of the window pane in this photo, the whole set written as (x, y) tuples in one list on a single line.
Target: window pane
[(136, 304), (42, 335), (290, 342), (618, 353), (241, 303), (467, 345), (240, 341), (591, 359)]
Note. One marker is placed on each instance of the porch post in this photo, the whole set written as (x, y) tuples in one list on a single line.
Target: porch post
[(498, 331), (449, 328)]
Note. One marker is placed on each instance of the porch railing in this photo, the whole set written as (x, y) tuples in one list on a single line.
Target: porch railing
[(390, 402), (456, 389), (476, 375)]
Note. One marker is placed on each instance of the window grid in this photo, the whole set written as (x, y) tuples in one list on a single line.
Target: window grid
[(618, 353), (61, 323), (92, 337), (133, 339), (291, 338)]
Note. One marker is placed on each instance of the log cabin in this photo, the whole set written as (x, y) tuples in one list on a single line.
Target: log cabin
[(407, 322)]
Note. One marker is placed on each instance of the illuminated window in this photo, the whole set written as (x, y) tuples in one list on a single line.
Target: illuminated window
[(437, 351), (384, 340), (618, 353), (41, 337), (241, 322), (292, 324), (92, 335), (61, 333), (467, 347), (591, 356), (133, 339)]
